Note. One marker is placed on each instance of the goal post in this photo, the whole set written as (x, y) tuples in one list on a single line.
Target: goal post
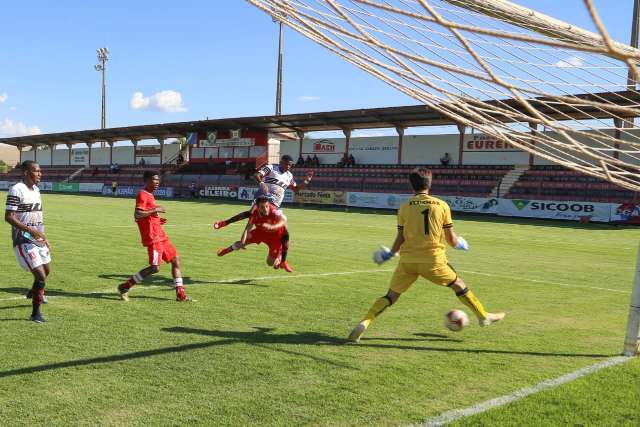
[(632, 339)]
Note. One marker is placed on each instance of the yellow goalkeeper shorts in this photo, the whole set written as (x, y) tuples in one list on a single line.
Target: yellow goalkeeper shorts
[(407, 273)]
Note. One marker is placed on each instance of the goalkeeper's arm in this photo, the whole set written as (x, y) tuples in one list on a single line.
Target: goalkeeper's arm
[(455, 241), (399, 241)]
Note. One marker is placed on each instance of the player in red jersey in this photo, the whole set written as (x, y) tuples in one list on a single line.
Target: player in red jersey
[(154, 238), (270, 225)]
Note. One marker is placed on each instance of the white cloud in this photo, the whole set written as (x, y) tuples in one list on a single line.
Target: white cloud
[(9, 128), (572, 61), (166, 101), (12, 108), (308, 98), (3, 97)]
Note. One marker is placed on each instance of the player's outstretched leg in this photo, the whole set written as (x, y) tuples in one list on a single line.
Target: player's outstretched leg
[(378, 307), (229, 249), (468, 298), (239, 217), (177, 280), (29, 295), (37, 294), (123, 288), (285, 250)]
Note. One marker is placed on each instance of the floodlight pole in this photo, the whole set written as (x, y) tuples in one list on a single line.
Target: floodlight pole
[(103, 57), (279, 83)]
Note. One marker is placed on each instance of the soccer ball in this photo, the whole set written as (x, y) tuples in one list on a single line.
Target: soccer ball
[(455, 320)]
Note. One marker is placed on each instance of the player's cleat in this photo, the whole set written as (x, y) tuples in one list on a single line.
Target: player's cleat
[(492, 318), (181, 296), (29, 295), (219, 224), (224, 251), (357, 332), (37, 318), (123, 292), (285, 265)]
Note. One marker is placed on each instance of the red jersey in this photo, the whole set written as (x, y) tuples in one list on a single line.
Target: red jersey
[(273, 217), (151, 230)]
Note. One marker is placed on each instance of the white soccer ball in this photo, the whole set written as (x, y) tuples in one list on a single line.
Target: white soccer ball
[(455, 320)]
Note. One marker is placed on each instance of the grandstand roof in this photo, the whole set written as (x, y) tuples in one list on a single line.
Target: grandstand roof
[(290, 124)]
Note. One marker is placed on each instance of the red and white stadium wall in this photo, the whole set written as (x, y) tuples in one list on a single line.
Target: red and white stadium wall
[(204, 151), (123, 155)]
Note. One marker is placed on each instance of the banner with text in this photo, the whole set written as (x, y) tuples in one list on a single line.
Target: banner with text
[(551, 209), (471, 204), (625, 213), (91, 187), (132, 190), (220, 192), (321, 197), (249, 193), (375, 200), (66, 187), (4, 185)]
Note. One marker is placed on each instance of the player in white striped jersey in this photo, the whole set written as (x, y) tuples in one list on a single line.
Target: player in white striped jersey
[(24, 213), (274, 181)]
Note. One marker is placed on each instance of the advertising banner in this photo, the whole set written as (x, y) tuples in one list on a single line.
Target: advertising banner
[(471, 204), (220, 191), (375, 200), (91, 187), (321, 197), (132, 190), (551, 209), (4, 185), (45, 186), (249, 193), (66, 187), (625, 213)]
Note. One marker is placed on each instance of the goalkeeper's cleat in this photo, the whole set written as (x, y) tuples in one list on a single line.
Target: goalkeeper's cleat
[(492, 318), (285, 265), (123, 292), (181, 296), (37, 318), (224, 251), (357, 332), (219, 224)]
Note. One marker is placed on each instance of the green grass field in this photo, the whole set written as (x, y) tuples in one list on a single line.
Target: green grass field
[(263, 347)]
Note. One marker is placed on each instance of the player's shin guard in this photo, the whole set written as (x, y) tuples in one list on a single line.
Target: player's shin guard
[(37, 296), (378, 307), (285, 246), (239, 217), (131, 281), (469, 299)]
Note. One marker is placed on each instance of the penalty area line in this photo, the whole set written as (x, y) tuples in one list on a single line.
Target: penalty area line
[(456, 414)]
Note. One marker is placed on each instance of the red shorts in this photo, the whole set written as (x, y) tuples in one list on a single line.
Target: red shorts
[(161, 251), (273, 240)]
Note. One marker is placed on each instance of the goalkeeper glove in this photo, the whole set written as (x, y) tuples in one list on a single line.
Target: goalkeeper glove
[(461, 244), (382, 255)]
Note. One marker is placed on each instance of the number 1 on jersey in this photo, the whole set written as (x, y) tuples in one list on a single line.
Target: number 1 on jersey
[(425, 214)]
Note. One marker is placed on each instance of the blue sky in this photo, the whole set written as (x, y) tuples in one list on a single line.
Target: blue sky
[(218, 56)]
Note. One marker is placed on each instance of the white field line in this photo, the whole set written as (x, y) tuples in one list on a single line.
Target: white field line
[(544, 282), (342, 273), (456, 414)]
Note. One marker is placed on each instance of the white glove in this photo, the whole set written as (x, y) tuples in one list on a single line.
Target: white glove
[(462, 244), (382, 255)]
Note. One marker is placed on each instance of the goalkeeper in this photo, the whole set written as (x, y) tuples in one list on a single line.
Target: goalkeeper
[(424, 222)]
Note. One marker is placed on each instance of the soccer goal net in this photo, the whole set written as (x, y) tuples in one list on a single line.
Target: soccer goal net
[(555, 90)]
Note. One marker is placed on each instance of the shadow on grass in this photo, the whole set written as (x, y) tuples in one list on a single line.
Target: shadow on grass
[(156, 280), (263, 336), (15, 306), (94, 295)]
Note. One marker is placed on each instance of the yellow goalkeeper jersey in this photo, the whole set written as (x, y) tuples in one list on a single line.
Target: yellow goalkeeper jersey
[(422, 220)]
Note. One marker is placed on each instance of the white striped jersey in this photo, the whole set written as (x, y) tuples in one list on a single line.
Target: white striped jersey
[(277, 182), (27, 206)]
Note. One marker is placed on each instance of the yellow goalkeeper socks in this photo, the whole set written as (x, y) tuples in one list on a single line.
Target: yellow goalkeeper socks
[(376, 309), (469, 299)]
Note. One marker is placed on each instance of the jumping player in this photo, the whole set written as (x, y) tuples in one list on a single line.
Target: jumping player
[(274, 181), (154, 238), (24, 213), (270, 224), (424, 222)]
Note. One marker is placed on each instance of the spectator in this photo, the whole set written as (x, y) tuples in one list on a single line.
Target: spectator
[(352, 160), (95, 171), (142, 162), (180, 158), (114, 187), (116, 168), (300, 161), (445, 160), (193, 190), (316, 161), (308, 161), (344, 162)]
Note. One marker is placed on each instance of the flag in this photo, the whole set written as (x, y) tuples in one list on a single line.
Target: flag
[(192, 138)]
